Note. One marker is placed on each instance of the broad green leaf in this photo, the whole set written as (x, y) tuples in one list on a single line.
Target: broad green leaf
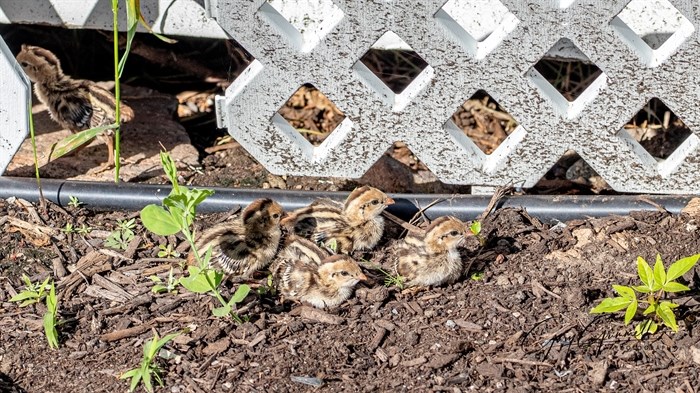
[(631, 311), (611, 305), (159, 221), (74, 141), (641, 289), (240, 294), (665, 312), (659, 273), (681, 266), (625, 291), (645, 273), (674, 287), (197, 281), (475, 227), (647, 326), (198, 196), (221, 311), (652, 327)]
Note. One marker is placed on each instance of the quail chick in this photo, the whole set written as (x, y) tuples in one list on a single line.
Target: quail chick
[(73, 103), (247, 244), (432, 258), (355, 225), (306, 273)]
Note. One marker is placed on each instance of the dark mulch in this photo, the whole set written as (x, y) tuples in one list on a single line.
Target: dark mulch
[(523, 326)]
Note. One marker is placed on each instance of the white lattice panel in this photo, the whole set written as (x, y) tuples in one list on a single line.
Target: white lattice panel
[(14, 103), (645, 48)]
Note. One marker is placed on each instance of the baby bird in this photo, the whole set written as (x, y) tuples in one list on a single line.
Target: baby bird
[(247, 244), (73, 103), (432, 258), (355, 225), (306, 273)]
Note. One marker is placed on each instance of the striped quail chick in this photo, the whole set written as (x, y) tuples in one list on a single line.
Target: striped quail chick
[(75, 104), (246, 245), (355, 225), (306, 273), (432, 258)]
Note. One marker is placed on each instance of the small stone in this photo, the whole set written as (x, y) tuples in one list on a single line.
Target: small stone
[(598, 372), (450, 324), (695, 354)]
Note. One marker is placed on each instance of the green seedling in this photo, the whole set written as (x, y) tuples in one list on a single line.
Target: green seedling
[(32, 293), (268, 288), (475, 229), (476, 276), (177, 215), (396, 280), (84, 230), (148, 370), (657, 283), (68, 228), (74, 202), (51, 317), (169, 286), (122, 236), (167, 251)]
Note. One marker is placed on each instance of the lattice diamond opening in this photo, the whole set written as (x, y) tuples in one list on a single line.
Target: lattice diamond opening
[(571, 174), (396, 92), (303, 22), (659, 137), (485, 131), (569, 84), (653, 29), (478, 25), (301, 125)]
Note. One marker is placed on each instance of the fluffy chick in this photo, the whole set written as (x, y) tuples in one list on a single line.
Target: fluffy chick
[(432, 258), (247, 244), (355, 225), (73, 103), (306, 273)]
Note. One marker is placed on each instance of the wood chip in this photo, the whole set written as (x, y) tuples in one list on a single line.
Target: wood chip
[(383, 323), (126, 333), (217, 346), (260, 337), (316, 315), (440, 361), (112, 287), (468, 326), (377, 339), (414, 362)]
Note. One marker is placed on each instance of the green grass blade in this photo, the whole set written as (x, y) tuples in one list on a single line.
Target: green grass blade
[(133, 13), (72, 142)]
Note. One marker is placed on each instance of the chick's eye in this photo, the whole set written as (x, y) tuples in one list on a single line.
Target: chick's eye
[(24, 64), (454, 233), (344, 273), (375, 201), (276, 216)]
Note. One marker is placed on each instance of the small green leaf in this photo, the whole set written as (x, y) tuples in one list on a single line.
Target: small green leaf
[(625, 291), (159, 221), (221, 311), (129, 373), (659, 273), (24, 295), (647, 326), (631, 312), (170, 171), (196, 281), (610, 305), (475, 227), (665, 312), (74, 141), (641, 289), (240, 294), (165, 340), (645, 273), (49, 322), (651, 309), (674, 287), (681, 266)]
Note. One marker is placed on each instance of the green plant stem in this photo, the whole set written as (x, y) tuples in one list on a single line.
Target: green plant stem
[(190, 239), (117, 92), (42, 201)]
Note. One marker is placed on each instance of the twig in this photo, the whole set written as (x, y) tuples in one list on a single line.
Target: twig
[(521, 361), (402, 223), (126, 333), (420, 212), (495, 198)]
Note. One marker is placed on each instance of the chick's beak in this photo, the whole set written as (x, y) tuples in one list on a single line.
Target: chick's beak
[(388, 201), (362, 277)]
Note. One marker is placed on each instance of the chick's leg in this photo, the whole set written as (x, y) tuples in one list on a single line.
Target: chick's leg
[(108, 138)]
